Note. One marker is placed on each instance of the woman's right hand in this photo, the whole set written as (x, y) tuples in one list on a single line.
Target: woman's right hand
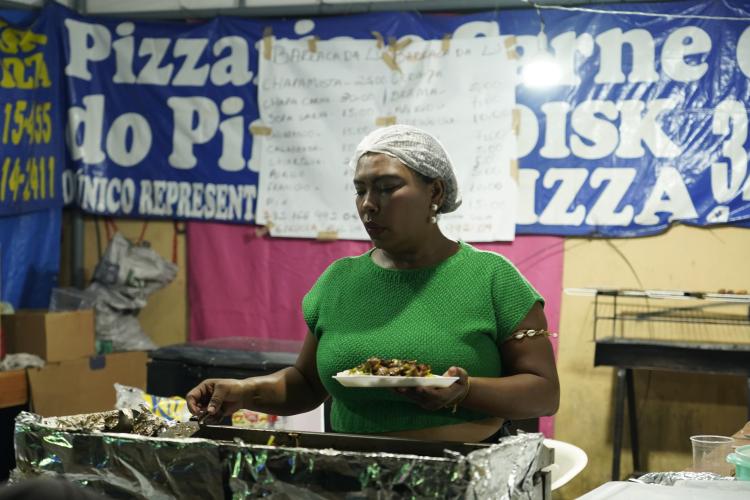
[(217, 397)]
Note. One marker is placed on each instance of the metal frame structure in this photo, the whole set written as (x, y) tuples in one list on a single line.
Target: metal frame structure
[(255, 8), (626, 353)]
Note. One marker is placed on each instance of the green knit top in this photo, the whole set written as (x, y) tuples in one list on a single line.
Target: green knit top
[(455, 313)]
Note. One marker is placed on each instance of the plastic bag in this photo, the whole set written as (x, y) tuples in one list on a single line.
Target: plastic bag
[(123, 279), (20, 361), (248, 419), (71, 299), (171, 408)]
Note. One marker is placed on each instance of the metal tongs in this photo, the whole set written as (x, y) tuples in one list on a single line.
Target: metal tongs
[(185, 429)]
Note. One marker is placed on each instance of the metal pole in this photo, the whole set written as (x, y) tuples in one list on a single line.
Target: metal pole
[(76, 253), (617, 431)]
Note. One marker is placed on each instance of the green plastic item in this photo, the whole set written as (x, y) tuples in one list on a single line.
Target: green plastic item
[(741, 460), (103, 346)]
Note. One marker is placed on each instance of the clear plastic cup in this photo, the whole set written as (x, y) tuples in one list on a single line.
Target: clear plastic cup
[(710, 454)]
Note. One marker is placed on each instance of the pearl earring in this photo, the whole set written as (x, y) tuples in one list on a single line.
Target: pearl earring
[(433, 207), (433, 218)]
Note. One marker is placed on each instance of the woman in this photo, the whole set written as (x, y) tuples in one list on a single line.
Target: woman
[(416, 295)]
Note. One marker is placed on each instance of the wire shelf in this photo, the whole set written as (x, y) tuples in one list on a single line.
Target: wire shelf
[(669, 315)]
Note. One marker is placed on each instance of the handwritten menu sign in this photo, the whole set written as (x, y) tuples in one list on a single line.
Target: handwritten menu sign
[(318, 101)]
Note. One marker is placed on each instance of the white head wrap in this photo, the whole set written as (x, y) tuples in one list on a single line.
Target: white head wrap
[(419, 151)]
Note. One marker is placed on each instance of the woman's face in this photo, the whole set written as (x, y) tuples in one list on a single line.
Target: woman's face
[(393, 201)]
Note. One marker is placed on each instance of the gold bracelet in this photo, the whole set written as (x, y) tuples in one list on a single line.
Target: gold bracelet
[(520, 334), (454, 404)]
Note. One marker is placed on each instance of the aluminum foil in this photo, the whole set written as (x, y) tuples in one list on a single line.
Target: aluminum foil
[(262, 471), (118, 465), (141, 422), (128, 465), (669, 478), (502, 471), (506, 470)]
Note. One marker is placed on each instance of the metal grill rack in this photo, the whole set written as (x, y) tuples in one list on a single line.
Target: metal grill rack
[(677, 331), (671, 315)]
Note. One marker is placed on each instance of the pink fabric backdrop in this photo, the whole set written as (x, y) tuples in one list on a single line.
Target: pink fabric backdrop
[(242, 284)]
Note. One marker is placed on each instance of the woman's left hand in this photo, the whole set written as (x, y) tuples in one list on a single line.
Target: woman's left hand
[(433, 398)]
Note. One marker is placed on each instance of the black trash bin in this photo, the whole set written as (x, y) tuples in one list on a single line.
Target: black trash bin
[(174, 370)]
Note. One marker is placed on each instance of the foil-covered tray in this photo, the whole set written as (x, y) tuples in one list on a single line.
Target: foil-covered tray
[(126, 465), (670, 478)]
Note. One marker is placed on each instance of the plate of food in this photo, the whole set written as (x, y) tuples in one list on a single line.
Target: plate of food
[(377, 372)]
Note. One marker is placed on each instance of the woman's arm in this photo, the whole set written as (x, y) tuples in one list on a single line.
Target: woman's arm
[(530, 387), (289, 391)]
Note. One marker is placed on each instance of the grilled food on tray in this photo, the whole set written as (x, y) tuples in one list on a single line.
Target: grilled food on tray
[(392, 368)]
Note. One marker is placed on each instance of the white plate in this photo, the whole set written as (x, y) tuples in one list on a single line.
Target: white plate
[(386, 381)]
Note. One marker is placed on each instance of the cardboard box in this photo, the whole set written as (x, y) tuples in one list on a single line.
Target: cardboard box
[(13, 388), (53, 336), (84, 385)]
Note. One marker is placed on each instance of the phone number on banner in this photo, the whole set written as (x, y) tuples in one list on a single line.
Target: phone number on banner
[(29, 119), (27, 179)]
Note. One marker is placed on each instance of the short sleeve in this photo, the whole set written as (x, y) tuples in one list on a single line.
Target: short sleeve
[(311, 302), (513, 297)]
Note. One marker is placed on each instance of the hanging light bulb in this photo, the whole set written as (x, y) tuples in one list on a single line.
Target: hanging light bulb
[(541, 71)]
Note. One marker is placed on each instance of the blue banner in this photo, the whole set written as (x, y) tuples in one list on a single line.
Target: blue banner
[(647, 126), (31, 125), (158, 117), (29, 257)]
